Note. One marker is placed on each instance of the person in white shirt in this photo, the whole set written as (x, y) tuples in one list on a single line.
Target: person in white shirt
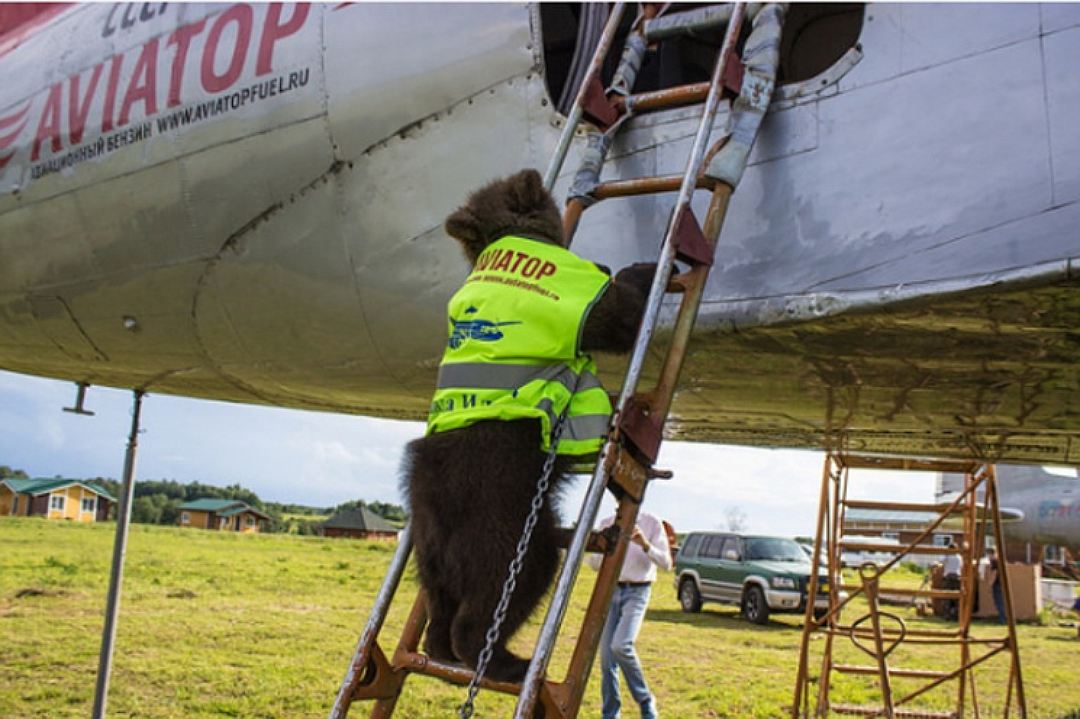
[(648, 550), (950, 572)]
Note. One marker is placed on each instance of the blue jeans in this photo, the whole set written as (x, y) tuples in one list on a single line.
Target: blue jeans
[(999, 602), (617, 652)]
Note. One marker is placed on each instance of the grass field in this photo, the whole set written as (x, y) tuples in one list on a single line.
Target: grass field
[(228, 625)]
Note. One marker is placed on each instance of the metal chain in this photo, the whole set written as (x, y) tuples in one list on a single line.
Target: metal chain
[(465, 711)]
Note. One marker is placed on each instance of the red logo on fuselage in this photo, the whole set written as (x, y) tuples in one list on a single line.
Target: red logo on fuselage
[(97, 96), (10, 127)]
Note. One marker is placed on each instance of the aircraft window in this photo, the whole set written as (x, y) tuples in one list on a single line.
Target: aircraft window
[(816, 35)]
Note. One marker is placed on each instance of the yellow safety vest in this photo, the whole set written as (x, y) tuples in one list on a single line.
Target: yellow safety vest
[(514, 345)]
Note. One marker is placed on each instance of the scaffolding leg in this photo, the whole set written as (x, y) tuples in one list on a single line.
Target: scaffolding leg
[(116, 577)]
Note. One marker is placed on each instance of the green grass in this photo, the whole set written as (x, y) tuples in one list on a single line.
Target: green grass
[(227, 625)]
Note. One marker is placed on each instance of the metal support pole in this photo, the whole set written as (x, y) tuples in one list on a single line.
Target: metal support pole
[(116, 578)]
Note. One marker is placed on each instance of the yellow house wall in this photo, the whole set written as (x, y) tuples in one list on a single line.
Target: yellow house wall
[(72, 505), (244, 529), (196, 519)]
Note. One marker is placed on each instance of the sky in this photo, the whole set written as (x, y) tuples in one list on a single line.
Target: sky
[(321, 459)]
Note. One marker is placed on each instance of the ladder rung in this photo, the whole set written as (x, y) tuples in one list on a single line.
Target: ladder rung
[(855, 709), (665, 99), (893, 671), (420, 663), (646, 186), (892, 631), (893, 548), (908, 592), (898, 506)]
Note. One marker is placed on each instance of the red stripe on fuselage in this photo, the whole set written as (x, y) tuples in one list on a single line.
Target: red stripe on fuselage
[(11, 38), (6, 122), (7, 140)]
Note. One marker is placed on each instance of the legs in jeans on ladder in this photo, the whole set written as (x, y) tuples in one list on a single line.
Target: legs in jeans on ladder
[(628, 606)]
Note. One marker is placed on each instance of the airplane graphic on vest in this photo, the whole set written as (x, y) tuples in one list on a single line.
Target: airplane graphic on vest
[(475, 329)]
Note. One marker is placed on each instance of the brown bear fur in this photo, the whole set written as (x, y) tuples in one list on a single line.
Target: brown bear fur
[(470, 489)]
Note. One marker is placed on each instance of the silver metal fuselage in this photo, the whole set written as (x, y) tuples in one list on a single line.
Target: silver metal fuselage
[(245, 202), (1048, 504)]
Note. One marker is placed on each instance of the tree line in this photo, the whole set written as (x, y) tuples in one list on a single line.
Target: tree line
[(157, 501)]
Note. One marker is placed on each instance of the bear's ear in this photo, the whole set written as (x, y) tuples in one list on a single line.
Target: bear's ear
[(463, 225), (527, 190)]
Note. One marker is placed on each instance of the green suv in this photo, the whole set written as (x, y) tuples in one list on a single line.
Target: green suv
[(760, 574)]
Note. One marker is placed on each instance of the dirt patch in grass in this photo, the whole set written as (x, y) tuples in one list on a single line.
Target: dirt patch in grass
[(39, 592)]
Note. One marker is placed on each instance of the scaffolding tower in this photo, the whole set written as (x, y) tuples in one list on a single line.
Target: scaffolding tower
[(883, 635)]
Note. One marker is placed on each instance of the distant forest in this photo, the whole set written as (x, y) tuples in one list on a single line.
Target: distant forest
[(157, 501)]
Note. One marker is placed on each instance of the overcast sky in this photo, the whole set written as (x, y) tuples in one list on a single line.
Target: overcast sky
[(321, 459)]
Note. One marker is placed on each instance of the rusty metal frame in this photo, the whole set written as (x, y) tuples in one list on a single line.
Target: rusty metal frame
[(976, 522)]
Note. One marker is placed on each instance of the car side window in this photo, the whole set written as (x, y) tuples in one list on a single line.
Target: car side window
[(690, 549), (731, 544), (711, 547)]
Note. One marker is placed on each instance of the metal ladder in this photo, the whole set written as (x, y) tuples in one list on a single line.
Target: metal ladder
[(883, 635), (635, 431)]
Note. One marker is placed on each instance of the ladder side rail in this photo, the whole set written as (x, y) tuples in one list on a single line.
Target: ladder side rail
[(340, 708), (802, 678), (1015, 674), (839, 477), (963, 618), (590, 507), (384, 706), (690, 176), (582, 192), (592, 625), (577, 111)]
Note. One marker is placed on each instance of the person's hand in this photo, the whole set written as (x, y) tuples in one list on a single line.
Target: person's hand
[(639, 539)]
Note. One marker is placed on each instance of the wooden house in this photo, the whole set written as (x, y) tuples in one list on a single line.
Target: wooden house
[(361, 523), (229, 515), (55, 498)]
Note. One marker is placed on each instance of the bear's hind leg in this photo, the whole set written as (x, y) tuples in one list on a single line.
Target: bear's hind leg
[(441, 611), (469, 637)]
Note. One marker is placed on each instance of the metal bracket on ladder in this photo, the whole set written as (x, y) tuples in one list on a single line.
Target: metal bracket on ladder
[(597, 108)]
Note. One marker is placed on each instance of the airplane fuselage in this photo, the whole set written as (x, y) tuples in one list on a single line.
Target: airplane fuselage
[(245, 202)]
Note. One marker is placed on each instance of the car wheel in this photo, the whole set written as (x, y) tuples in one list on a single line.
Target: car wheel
[(689, 597), (755, 608)]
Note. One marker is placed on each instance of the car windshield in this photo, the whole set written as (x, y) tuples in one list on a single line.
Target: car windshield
[(776, 550)]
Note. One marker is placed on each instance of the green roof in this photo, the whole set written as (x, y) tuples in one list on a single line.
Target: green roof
[(362, 518), (221, 507), (42, 485), (240, 509), (208, 504)]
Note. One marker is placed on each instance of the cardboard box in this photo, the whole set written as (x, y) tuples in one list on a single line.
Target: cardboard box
[(1024, 580)]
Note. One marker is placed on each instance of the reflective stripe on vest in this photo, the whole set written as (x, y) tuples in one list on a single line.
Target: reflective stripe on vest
[(513, 345)]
